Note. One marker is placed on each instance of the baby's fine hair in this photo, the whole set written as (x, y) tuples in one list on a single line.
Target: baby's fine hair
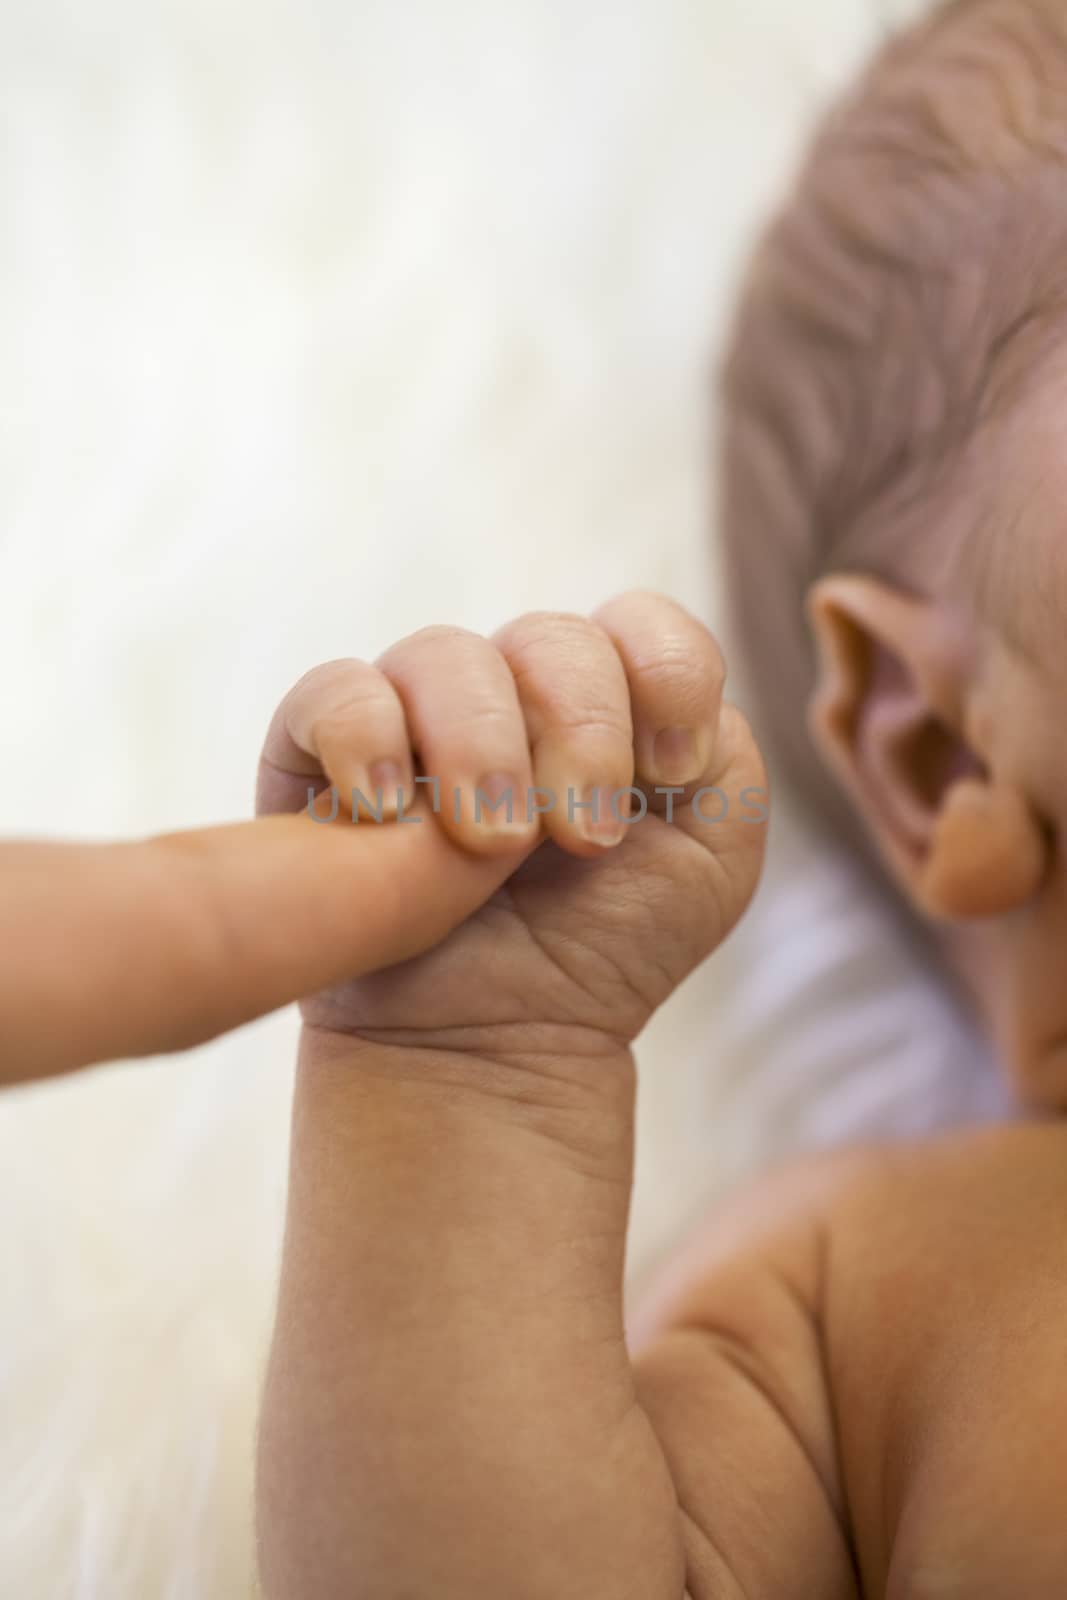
[(897, 309), (891, 339)]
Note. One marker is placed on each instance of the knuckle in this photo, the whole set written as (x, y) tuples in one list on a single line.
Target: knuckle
[(482, 721), (646, 611), (325, 680), (568, 674), (323, 670), (436, 635), (661, 637), (330, 699), (337, 714), (602, 723), (535, 630), (675, 672), (346, 724), (354, 697), (641, 601)]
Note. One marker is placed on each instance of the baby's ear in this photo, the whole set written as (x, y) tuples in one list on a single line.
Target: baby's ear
[(889, 717)]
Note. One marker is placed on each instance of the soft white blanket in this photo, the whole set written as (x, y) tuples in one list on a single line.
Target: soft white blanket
[(321, 320)]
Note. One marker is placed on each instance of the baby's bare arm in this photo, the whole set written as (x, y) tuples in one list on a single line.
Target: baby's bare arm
[(732, 1367), (451, 1409)]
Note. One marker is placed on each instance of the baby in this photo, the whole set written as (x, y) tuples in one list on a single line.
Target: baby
[(852, 1381)]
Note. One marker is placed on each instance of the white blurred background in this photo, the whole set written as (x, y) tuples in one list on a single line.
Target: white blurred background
[(319, 321)]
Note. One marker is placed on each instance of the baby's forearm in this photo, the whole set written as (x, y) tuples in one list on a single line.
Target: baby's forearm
[(450, 1408)]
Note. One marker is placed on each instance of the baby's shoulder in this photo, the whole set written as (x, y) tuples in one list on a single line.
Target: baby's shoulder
[(896, 1312), (981, 1194), (944, 1298)]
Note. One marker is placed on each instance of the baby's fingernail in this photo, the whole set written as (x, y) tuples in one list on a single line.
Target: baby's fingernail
[(498, 802), (676, 755), (603, 815), (386, 787)]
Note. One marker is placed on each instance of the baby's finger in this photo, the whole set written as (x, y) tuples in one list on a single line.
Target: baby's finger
[(467, 728), (577, 707), (675, 672), (341, 725)]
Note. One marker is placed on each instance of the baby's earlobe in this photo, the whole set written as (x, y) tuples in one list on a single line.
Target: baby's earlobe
[(988, 855)]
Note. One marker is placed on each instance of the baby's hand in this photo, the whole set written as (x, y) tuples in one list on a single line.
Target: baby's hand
[(547, 721)]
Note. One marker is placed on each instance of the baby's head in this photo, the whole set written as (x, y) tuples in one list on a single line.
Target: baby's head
[(894, 483)]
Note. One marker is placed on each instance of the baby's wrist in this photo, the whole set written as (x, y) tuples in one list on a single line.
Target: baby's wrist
[(574, 1089)]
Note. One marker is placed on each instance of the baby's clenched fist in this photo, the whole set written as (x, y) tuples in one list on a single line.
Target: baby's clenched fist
[(597, 755)]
